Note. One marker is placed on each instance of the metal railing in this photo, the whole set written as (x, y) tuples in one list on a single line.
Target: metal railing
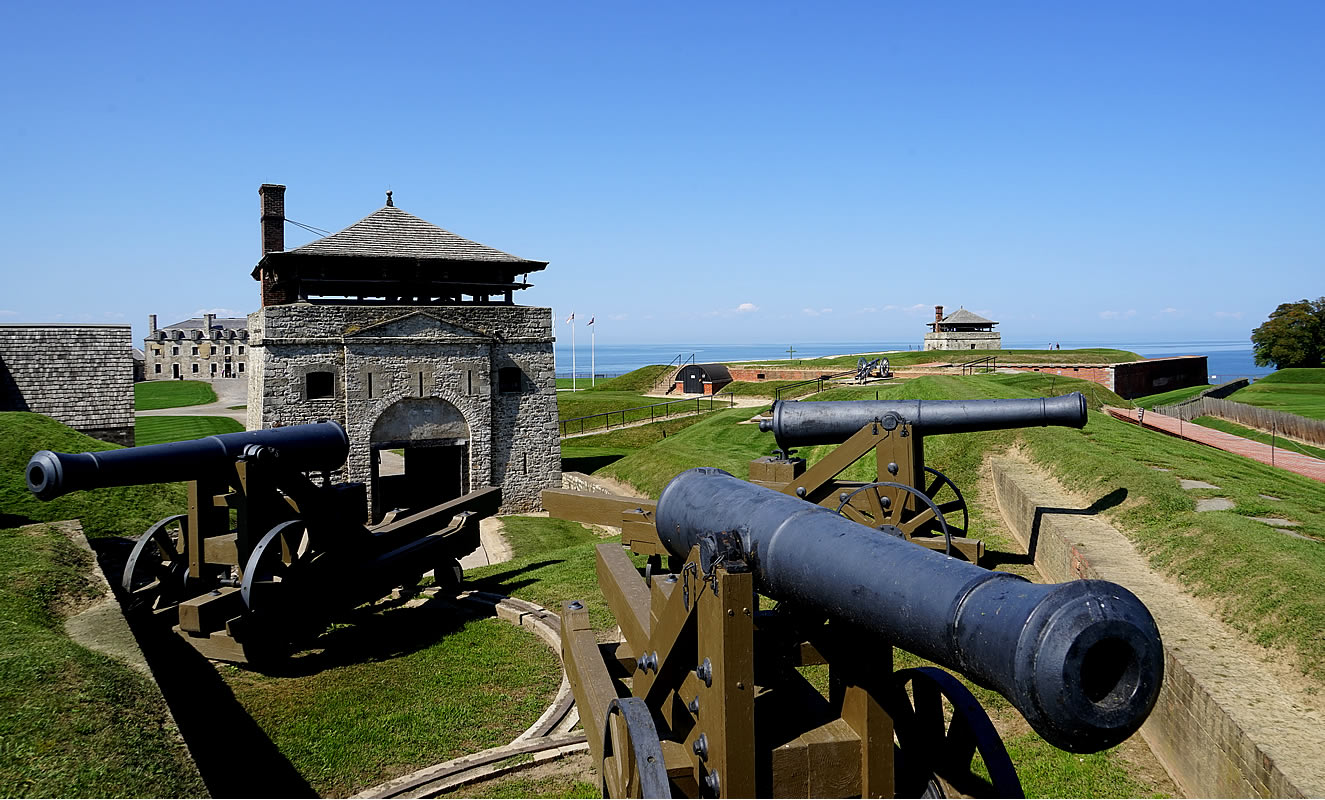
[(626, 416), (668, 377), (819, 384), (986, 364)]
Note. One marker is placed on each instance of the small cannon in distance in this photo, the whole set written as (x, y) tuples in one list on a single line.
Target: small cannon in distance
[(866, 369), (267, 554), (906, 498), (715, 706)]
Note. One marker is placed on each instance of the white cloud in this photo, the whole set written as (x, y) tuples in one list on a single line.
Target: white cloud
[(746, 308), (918, 307), (220, 312), (618, 317), (1169, 310), (1228, 315), (814, 312), (868, 310), (1131, 312)]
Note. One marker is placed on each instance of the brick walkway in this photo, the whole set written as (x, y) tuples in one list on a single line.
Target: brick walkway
[(1286, 459)]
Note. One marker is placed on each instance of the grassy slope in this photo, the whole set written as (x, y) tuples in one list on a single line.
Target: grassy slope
[(119, 511), (75, 723), (149, 395), (158, 430), (1169, 398), (1294, 391)]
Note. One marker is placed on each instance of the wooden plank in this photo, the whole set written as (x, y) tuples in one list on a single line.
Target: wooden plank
[(591, 507), (588, 676), (221, 549), (726, 638), (834, 760), (625, 593), (210, 612)]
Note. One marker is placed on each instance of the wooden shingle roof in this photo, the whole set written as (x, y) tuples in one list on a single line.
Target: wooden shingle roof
[(391, 233), (963, 317)]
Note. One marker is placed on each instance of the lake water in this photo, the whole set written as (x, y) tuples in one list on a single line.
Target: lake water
[(1226, 359)]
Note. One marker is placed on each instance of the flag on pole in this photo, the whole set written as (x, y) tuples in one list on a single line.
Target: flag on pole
[(590, 322), (571, 317)]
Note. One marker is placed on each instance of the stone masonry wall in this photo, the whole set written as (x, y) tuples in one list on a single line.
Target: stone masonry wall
[(380, 355), (81, 375), (964, 340)]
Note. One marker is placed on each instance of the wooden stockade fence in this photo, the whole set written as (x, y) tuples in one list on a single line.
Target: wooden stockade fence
[(1265, 419)]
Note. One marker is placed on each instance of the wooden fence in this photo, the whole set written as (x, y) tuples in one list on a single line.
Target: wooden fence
[(1285, 424)]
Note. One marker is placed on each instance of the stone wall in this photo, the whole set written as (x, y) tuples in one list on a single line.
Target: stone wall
[(379, 356), (964, 340), (81, 375), (195, 357)]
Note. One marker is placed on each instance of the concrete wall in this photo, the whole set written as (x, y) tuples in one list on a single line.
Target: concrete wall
[(381, 355), (1152, 376), (81, 375)]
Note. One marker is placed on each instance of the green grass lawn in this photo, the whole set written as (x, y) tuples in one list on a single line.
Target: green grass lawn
[(1170, 398), (1259, 436), (158, 430), (1294, 391), (905, 358), (150, 395)]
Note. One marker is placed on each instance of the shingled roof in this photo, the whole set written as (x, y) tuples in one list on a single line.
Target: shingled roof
[(963, 317), (391, 233)]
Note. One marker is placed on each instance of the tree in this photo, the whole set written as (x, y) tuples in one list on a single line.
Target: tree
[(1293, 336)]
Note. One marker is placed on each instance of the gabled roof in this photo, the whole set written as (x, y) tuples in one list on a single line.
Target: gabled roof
[(391, 233), (195, 324), (963, 317)]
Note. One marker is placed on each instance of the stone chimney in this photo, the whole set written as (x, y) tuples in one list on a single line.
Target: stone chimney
[(151, 324), (273, 217), (273, 241), (938, 318), (207, 321)]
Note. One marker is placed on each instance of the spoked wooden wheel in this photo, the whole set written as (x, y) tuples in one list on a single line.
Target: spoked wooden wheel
[(157, 571), (940, 728), (945, 494), (888, 507), (632, 753), (275, 567)]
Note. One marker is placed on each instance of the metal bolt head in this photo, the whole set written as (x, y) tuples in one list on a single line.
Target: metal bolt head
[(701, 746), (575, 605), (886, 502), (800, 491), (693, 705), (711, 781), (892, 467)]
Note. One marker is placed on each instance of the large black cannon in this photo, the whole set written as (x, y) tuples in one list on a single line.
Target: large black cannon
[(1082, 661), (904, 497), (271, 548)]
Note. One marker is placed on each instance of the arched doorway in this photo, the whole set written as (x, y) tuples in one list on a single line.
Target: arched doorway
[(432, 463)]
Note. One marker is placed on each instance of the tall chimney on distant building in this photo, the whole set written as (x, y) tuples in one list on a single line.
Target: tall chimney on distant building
[(207, 321), (273, 217), (151, 324), (938, 318)]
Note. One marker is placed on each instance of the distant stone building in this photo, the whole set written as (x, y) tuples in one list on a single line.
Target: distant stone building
[(962, 330), (196, 349), (408, 335), (81, 375)]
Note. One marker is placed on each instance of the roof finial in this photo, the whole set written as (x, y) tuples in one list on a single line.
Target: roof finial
[(388, 199)]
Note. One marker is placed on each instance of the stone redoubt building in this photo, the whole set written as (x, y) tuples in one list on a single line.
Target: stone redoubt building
[(409, 336), (962, 330), (196, 349)]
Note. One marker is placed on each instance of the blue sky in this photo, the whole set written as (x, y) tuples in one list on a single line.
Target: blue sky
[(731, 172)]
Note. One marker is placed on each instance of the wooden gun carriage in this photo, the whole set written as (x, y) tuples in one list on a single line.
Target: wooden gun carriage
[(271, 549)]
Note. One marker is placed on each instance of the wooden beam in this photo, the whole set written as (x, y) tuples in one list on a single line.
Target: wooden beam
[(587, 673), (591, 507), (625, 593)]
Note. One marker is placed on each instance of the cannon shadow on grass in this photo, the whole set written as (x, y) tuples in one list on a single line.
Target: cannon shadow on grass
[(995, 558)]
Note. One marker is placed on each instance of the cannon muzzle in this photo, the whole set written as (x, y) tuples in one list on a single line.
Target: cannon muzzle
[(801, 424), (318, 446), (1082, 661)]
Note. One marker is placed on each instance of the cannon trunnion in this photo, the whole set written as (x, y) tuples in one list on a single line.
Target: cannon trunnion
[(269, 551)]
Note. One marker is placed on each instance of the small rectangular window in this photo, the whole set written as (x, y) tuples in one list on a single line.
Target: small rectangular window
[(469, 378), (319, 385), (195, 351), (420, 383), (241, 349), (368, 382), (508, 380), (195, 367), (157, 368), (174, 351), (227, 349), (241, 366)]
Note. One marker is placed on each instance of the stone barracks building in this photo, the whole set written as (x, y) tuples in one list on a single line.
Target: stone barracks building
[(408, 335), (196, 349)]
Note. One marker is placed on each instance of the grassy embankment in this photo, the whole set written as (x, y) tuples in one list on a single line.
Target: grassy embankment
[(1169, 398), (1268, 585), (158, 430), (401, 689), (76, 722), (1295, 391), (151, 395), (1267, 439), (906, 358)]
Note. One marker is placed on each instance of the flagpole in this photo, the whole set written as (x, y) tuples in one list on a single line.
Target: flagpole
[(572, 351), (593, 334)]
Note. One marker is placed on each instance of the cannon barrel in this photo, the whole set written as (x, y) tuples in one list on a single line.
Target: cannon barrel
[(1082, 661), (307, 448), (801, 424)]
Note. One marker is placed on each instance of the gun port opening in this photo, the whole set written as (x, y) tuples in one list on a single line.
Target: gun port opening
[(1110, 673)]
